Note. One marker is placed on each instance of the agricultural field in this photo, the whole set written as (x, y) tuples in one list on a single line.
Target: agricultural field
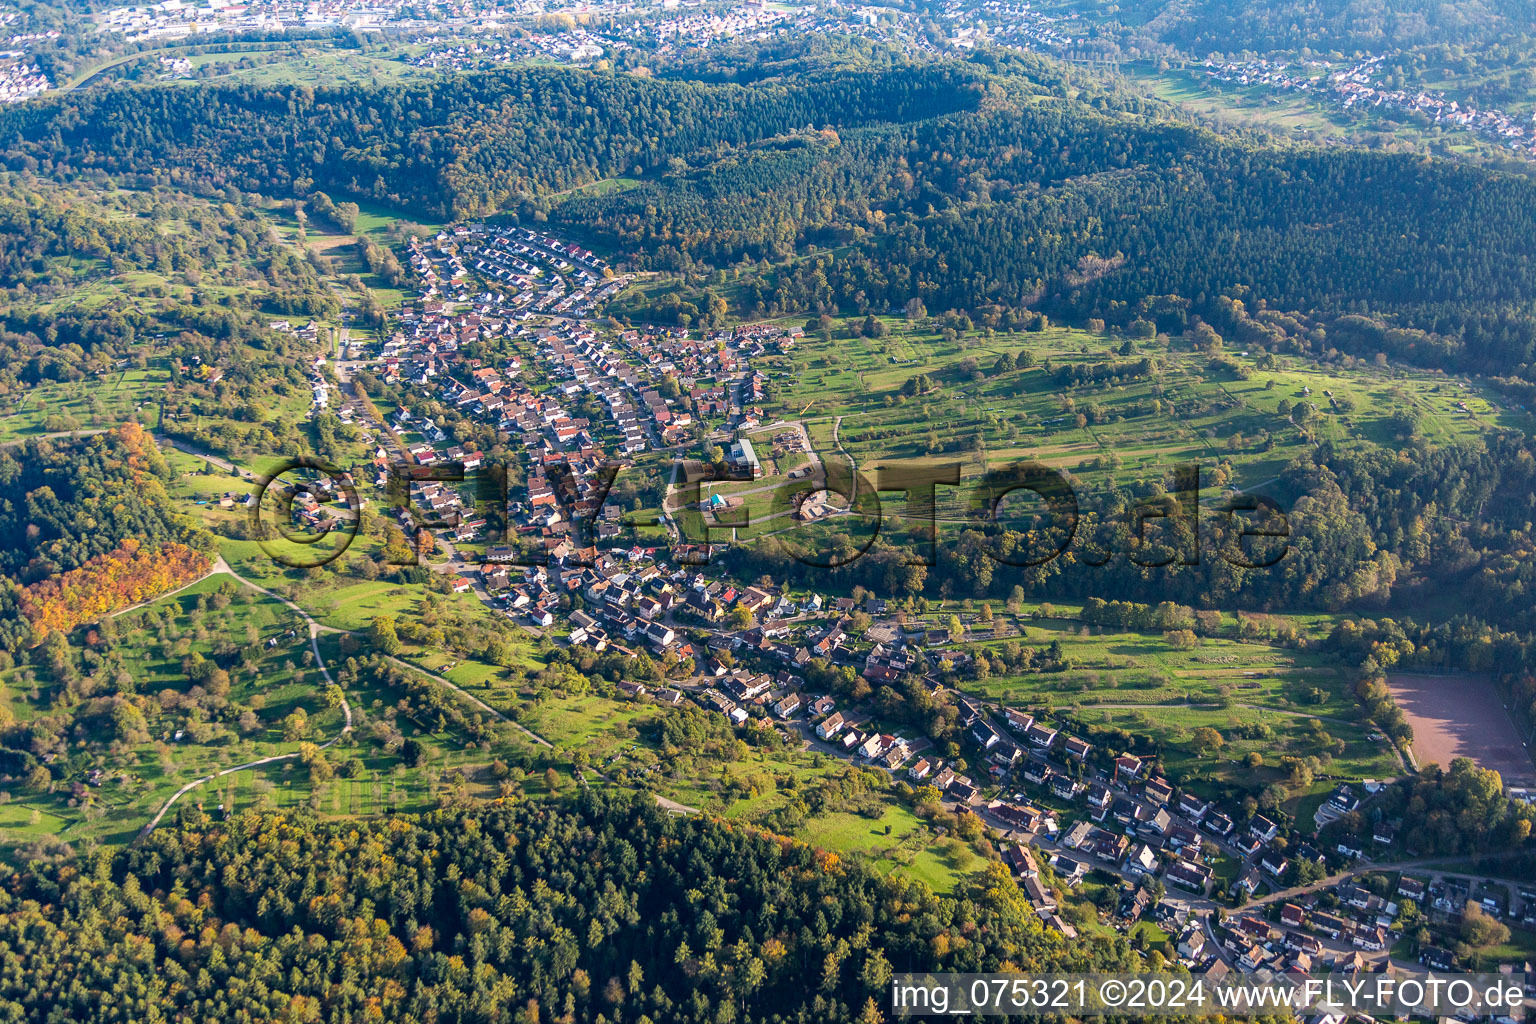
[(120, 275), (339, 251), (337, 593), (115, 396), (108, 794), (1242, 428), (1250, 730)]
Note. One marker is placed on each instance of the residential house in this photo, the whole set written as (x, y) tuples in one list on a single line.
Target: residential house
[(985, 735), (1040, 736), (1063, 787), (1077, 748), (1021, 860), (1069, 870), (962, 791), (1330, 925), (1262, 828), (1128, 768), (1018, 721), (1133, 903), (1140, 861), (1218, 824), (1186, 874), (1192, 807), (1372, 940)]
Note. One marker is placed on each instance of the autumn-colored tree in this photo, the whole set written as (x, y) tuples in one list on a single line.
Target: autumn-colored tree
[(128, 575)]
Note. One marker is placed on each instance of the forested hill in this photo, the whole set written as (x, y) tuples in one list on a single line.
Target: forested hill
[(987, 186), (464, 147), (606, 910)]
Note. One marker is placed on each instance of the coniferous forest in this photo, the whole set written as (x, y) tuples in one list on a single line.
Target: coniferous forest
[(601, 910)]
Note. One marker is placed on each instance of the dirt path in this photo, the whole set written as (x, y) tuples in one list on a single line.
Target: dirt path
[(476, 701), (217, 567), (315, 629), (83, 432), (674, 806)]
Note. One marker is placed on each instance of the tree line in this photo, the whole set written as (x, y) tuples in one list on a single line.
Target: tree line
[(603, 909)]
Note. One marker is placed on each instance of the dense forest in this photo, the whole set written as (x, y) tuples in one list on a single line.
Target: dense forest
[(1164, 218), (605, 909), (83, 518), (970, 186), (463, 147)]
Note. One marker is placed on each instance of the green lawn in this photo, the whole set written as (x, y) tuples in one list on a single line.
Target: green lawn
[(209, 617), (96, 402)]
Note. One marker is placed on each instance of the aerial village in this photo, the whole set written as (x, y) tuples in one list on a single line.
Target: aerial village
[(584, 397), (1354, 87)]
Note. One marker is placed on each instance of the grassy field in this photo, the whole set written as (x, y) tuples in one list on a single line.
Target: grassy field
[(210, 617), (1145, 684), (314, 64), (1240, 427), (1239, 105), (1144, 668), (112, 398), (748, 783), (1182, 412), (1315, 120)]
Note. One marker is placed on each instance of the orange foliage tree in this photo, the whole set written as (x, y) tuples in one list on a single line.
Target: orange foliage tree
[(128, 574)]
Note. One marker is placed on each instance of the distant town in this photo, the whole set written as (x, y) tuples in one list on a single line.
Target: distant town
[(1353, 87)]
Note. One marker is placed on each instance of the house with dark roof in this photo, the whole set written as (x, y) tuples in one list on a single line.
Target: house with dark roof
[(1186, 874)]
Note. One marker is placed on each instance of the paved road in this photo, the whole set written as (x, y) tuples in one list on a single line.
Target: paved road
[(193, 450), (1367, 868)]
